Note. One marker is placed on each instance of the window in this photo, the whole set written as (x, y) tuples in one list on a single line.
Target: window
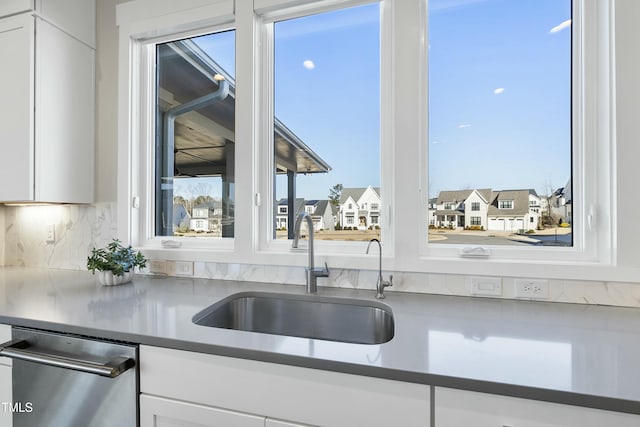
[(476, 220), (419, 143), (195, 140), (475, 206), (505, 204), (326, 95), (500, 78)]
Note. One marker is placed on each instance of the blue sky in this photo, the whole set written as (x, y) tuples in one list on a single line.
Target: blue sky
[(327, 90), (499, 93), (499, 82)]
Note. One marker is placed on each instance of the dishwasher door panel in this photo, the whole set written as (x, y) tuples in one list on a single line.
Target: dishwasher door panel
[(52, 396)]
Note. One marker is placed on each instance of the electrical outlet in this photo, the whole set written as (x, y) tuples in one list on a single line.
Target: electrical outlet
[(51, 233), (531, 288), (157, 266), (485, 286), (184, 268)]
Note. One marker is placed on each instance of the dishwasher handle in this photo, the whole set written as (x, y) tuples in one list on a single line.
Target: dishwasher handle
[(18, 349)]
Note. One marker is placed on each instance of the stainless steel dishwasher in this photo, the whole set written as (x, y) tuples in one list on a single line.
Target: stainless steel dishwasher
[(67, 380)]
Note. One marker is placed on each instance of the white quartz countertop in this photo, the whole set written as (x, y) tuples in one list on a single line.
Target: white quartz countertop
[(574, 354)]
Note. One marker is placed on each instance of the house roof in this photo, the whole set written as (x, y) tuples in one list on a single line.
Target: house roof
[(453, 196), (520, 202), (355, 193), (458, 196), (212, 204), (203, 137), (297, 205), (321, 207)]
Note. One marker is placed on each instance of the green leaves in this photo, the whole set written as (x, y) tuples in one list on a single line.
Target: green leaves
[(115, 258)]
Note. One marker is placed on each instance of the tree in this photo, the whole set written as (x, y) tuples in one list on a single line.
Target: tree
[(334, 194), (548, 218)]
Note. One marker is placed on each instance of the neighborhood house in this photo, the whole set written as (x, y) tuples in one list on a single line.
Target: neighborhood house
[(505, 210)]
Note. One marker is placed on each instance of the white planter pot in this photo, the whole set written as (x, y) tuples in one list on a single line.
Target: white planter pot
[(107, 278)]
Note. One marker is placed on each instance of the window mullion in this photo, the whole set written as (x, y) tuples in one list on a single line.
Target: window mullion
[(246, 130), (407, 112)]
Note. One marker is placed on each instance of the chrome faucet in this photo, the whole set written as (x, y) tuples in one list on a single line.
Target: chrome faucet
[(381, 284), (312, 273)]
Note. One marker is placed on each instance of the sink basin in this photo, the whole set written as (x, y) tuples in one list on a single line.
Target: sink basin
[(306, 316)]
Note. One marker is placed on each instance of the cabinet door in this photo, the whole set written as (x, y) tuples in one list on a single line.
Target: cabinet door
[(455, 408), (302, 395), (12, 7), (16, 118), (64, 127), (160, 412), (76, 17)]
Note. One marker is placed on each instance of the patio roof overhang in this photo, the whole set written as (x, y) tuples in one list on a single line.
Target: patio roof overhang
[(203, 137)]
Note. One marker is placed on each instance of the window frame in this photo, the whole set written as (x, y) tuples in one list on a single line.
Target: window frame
[(291, 9), (592, 149), (403, 143)]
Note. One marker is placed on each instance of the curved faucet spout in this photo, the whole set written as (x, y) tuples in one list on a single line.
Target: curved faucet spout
[(381, 283), (312, 272)]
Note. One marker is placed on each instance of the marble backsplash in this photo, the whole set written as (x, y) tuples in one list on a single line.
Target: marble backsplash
[(78, 229)]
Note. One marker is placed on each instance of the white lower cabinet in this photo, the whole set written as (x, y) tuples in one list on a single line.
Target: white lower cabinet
[(179, 387), (161, 412), (6, 419), (456, 408)]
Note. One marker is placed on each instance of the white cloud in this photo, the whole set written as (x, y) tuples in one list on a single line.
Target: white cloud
[(566, 24), (464, 125), (309, 65), (435, 142), (498, 91)]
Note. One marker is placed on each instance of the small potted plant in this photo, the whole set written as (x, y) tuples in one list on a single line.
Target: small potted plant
[(115, 263)]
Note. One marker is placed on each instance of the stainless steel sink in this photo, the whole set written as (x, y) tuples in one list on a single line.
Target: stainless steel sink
[(307, 316)]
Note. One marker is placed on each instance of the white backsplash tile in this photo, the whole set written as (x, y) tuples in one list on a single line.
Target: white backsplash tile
[(80, 228)]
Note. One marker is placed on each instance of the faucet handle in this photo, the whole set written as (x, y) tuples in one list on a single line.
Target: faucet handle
[(383, 284), (321, 272), (387, 283)]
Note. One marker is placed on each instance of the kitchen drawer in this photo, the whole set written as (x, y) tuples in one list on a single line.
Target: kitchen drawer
[(455, 408), (283, 392)]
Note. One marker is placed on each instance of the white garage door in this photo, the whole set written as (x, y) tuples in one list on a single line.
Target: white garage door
[(496, 224)]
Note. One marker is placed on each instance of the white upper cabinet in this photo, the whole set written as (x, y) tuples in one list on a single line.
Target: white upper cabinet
[(75, 17), (13, 7), (47, 107)]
